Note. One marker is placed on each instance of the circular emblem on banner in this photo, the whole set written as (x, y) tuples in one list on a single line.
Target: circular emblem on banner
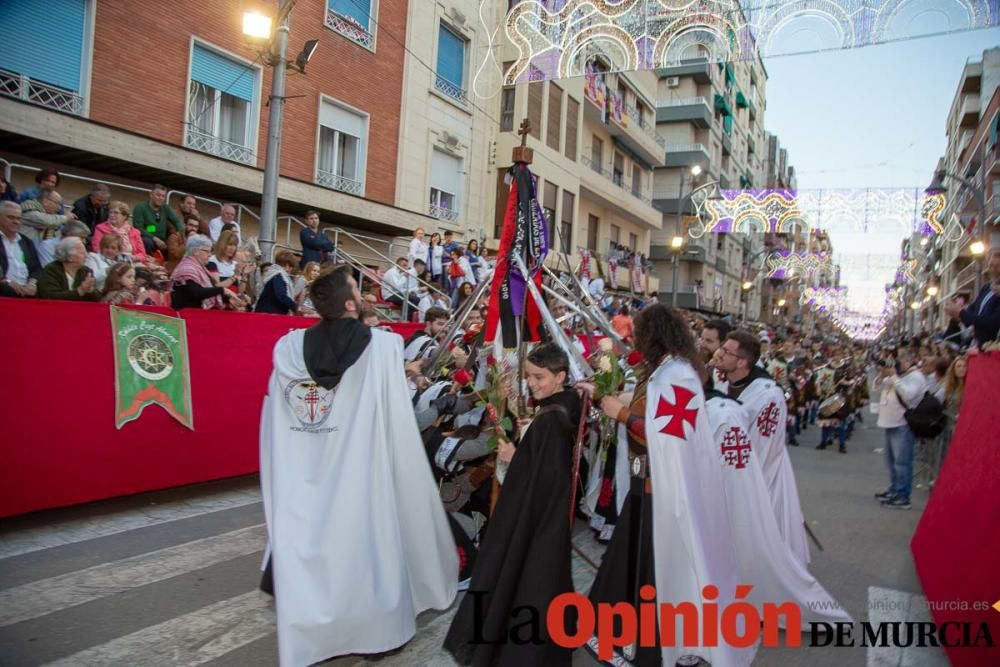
[(150, 357), (310, 402)]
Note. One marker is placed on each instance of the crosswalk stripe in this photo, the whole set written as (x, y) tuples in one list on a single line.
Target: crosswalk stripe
[(185, 641), (78, 530), (45, 596)]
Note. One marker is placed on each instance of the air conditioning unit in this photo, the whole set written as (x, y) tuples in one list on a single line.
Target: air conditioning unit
[(449, 139), (457, 16), (673, 81)]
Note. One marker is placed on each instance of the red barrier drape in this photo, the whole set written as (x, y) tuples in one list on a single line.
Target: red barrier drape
[(957, 541), (59, 444)]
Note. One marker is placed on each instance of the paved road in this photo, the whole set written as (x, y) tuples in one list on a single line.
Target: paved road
[(170, 578)]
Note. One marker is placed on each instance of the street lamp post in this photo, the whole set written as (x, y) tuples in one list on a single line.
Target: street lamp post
[(677, 243), (272, 158)]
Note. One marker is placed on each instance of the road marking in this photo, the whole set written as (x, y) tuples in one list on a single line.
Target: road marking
[(70, 531), (46, 596), (185, 641)]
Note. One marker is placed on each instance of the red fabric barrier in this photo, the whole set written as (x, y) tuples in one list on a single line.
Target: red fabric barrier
[(59, 444), (957, 541)]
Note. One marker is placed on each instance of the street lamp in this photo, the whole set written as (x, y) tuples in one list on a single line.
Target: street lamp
[(781, 303), (256, 25), (932, 291), (978, 249), (747, 285), (678, 242)]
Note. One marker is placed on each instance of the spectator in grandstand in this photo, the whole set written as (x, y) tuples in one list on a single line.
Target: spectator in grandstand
[(41, 217), (475, 261), (66, 277), (983, 315), (92, 209), (100, 262), (316, 246), (189, 206), (46, 249), (396, 284), (191, 285), (120, 225), (226, 217), (19, 259), (464, 294), (309, 274), (449, 246), (430, 298), (46, 179), (223, 260), (435, 257), (154, 219), (121, 288), (418, 247), (276, 291), (368, 317), (7, 190), (622, 323), (193, 224)]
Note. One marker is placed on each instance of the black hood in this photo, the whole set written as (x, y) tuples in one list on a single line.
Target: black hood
[(332, 346), (567, 398)]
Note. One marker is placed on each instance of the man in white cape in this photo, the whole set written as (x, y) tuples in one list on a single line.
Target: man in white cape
[(692, 546), (767, 411), (359, 540), (763, 559)]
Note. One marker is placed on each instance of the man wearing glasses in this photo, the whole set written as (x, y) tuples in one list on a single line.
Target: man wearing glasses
[(765, 404)]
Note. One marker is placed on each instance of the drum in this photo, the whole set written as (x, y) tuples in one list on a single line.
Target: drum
[(831, 406)]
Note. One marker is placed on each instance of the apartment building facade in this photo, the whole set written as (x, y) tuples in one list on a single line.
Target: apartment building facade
[(972, 129), (712, 115), (134, 95)]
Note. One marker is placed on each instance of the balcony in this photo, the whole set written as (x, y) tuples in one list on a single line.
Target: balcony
[(660, 251), (617, 193), (968, 111), (23, 88), (695, 110), (328, 179), (615, 180), (449, 89), (966, 278), (350, 28), (686, 155), (727, 144), (446, 214), (699, 69), (205, 142), (650, 131), (751, 144)]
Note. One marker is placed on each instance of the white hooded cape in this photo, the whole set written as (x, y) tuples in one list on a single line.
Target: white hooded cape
[(691, 533), (359, 537), (764, 560), (767, 411)]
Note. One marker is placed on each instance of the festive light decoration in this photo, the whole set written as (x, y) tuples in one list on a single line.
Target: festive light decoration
[(782, 263), (555, 38)]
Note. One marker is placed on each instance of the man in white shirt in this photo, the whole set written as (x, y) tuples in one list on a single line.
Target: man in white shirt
[(396, 284), (228, 217), (19, 265), (909, 385)]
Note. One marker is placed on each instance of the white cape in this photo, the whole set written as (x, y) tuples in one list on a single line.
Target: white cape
[(764, 560), (767, 411), (359, 537), (691, 533)]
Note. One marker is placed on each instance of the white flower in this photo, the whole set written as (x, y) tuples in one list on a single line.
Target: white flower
[(604, 364), (606, 345)]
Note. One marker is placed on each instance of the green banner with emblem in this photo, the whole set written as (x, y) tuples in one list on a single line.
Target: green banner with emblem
[(151, 365)]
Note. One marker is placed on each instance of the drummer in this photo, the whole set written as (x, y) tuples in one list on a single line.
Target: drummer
[(832, 408)]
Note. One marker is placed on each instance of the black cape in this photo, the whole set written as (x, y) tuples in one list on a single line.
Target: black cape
[(524, 560)]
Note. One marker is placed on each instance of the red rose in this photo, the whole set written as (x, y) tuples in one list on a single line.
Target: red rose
[(634, 358), (462, 377), (491, 361), (451, 346)]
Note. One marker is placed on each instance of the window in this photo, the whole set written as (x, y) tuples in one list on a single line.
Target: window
[(450, 78), (593, 227), (535, 108), (572, 112), (503, 194), (342, 147), (221, 106), (555, 116), (446, 184), (597, 155), (354, 19), (633, 242), (566, 223), (637, 180), (42, 58), (640, 113), (507, 110), (549, 200), (616, 234), (618, 174)]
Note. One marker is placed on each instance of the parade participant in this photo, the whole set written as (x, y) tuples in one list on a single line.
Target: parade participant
[(763, 559), (343, 470), (673, 532), (765, 404), (710, 340), (421, 344), (524, 560)]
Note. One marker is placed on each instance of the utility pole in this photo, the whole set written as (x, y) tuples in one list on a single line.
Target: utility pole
[(272, 158)]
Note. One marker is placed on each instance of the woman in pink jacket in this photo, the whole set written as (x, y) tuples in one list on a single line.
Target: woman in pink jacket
[(118, 223)]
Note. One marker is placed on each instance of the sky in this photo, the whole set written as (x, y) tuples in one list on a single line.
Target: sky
[(872, 117)]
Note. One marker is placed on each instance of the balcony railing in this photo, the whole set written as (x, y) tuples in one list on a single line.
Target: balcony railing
[(683, 102), (450, 89), (616, 179), (650, 131), (349, 28), (447, 214), (205, 142), (42, 94), (335, 181), (966, 276)]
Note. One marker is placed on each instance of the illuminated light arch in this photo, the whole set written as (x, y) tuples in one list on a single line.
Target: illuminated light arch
[(716, 34), (601, 33), (785, 13), (747, 220), (977, 13)]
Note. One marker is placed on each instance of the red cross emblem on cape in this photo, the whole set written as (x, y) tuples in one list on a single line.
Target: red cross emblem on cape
[(677, 411)]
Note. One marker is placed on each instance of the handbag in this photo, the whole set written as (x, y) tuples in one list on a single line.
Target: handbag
[(927, 418)]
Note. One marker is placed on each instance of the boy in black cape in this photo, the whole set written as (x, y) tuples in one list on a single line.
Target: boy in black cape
[(524, 560)]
